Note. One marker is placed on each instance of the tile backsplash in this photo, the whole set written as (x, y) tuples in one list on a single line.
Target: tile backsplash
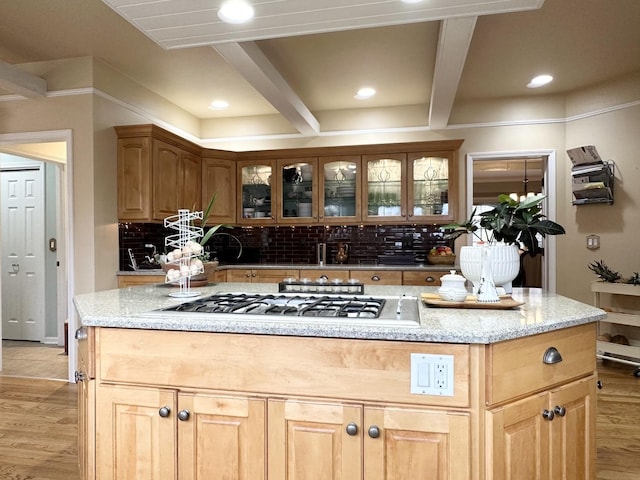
[(368, 244)]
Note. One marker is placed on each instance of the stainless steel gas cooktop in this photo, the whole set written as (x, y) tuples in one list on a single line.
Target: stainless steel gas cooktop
[(303, 305)]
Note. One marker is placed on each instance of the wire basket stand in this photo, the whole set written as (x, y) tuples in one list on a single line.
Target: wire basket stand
[(187, 233)]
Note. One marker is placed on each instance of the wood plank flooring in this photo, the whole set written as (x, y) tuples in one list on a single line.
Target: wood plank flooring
[(38, 427), (33, 359)]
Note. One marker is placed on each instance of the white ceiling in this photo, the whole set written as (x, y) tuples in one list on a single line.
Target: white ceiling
[(436, 55)]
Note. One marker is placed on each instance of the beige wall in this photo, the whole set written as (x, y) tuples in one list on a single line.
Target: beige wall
[(537, 123)]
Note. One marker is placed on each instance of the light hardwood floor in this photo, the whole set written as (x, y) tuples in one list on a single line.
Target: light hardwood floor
[(33, 359), (38, 427)]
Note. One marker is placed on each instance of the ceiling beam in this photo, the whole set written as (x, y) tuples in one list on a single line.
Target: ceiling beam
[(19, 82), (453, 45), (256, 68)]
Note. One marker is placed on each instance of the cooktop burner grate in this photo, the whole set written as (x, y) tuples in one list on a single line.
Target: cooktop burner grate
[(297, 305)]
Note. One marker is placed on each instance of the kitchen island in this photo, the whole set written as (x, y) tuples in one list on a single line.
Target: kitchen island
[(459, 394)]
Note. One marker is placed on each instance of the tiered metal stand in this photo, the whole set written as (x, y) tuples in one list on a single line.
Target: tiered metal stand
[(186, 232)]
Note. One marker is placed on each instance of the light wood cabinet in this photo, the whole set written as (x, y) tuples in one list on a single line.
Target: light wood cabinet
[(430, 278), (345, 440), (158, 173), (377, 277), (258, 275), (260, 412), (219, 179), (313, 275), (548, 435), (154, 433), (410, 186), (134, 178), (258, 193), (135, 280), (340, 189), (551, 432)]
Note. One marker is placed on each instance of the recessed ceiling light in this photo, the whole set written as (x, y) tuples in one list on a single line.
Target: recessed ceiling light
[(539, 81), (411, 1), (235, 11), (218, 105), (365, 92)]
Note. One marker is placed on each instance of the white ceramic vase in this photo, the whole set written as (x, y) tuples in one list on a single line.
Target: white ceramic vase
[(504, 261)]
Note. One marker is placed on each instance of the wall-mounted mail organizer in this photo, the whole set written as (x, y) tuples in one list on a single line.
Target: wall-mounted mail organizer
[(592, 179)]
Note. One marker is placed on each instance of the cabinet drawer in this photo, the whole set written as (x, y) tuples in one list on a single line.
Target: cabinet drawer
[(378, 277), (516, 367), (428, 279)]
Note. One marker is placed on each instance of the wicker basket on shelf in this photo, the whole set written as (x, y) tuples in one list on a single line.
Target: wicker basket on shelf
[(441, 259)]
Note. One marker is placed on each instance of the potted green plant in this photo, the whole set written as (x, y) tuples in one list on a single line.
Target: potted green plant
[(511, 225)]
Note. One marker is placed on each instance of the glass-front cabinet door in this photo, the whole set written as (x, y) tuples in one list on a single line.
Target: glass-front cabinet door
[(340, 196), (430, 185), (298, 180), (256, 192), (384, 193)]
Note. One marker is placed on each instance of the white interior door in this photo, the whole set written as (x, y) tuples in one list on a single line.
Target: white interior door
[(22, 254)]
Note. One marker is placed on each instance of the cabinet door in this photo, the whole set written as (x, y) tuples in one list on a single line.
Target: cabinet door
[(431, 186), (340, 196), (377, 277), (219, 179), (222, 438), (257, 198), (428, 279), (134, 179), (384, 196), (572, 442), (166, 180), (190, 182), (298, 186), (132, 439), (86, 429), (407, 444), (309, 441), (518, 440), (234, 275), (273, 275)]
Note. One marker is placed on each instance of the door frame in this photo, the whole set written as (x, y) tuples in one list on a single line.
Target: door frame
[(549, 203), (65, 274)]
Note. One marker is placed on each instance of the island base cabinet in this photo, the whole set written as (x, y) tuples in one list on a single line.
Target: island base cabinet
[(133, 440), (414, 444), (327, 441), (547, 435), (158, 434), (310, 441)]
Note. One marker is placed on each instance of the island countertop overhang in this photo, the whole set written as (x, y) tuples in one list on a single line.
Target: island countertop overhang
[(542, 312)]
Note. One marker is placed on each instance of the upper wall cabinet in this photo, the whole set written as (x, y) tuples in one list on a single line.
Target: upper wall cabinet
[(410, 187), (158, 173), (219, 179)]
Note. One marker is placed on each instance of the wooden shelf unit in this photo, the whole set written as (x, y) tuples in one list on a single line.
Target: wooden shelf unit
[(628, 354)]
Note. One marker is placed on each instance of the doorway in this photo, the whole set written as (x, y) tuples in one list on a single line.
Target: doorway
[(53, 150), (505, 172)]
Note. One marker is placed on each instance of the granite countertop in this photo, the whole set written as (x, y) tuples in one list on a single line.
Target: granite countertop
[(542, 312), (306, 266)]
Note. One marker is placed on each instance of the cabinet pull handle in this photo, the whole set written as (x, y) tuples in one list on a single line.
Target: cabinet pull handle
[(352, 429), (548, 414), (599, 385), (324, 277), (81, 334), (253, 274), (164, 412), (375, 278), (374, 431), (560, 411), (429, 279), (183, 415), (79, 376), (551, 356)]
